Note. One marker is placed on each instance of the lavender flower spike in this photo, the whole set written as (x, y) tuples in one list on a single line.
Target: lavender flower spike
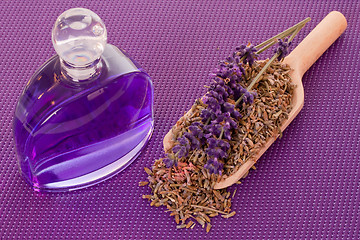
[(248, 52), (283, 48)]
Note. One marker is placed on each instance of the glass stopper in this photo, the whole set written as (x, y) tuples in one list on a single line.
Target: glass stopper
[(79, 37)]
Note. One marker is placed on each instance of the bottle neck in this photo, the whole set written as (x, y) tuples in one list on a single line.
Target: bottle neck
[(81, 73)]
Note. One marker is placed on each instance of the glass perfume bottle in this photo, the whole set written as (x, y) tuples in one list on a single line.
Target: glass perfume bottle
[(86, 113)]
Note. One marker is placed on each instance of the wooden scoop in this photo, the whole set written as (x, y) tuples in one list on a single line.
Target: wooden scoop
[(300, 60)]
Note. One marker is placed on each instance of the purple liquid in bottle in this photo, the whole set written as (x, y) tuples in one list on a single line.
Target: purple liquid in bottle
[(71, 133)]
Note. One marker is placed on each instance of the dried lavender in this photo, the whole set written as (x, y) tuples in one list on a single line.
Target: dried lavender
[(247, 53), (283, 49), (224, 129), (182, 148), (186, 188)]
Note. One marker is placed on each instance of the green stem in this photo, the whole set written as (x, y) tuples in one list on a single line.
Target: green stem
[(284, 33), (293, 31), (271, 41), (262, 71), (222, 133), (266, 47), (276, 41), (207, 122)]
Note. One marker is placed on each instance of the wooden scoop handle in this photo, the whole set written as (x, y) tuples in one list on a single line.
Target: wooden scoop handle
[(316, 43)]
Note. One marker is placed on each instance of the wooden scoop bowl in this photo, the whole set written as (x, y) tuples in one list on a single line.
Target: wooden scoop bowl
[(300, 60)]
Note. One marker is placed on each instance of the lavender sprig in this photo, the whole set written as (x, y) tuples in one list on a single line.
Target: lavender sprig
[(278, 54), (218, 119), (271, 41)]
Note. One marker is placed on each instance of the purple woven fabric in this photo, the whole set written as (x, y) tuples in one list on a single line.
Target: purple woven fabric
[(306, 186)]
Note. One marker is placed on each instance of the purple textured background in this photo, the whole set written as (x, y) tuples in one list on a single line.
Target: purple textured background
[(306, 185)]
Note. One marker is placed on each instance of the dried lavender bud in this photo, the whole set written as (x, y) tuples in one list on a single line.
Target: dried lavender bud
[(217, 152), (218, 143), (219, 118), (217, 148), (233, 81), (182, 149), (239, 90), (283, 48), (214, 166), (212, 104), (230, 108), (169, 162), (248, 52), (206, 115), (195, 143), (213, 128), (218, 96), (184, 141), (228, 68), (227, 133), (189, 141), (196, 129), (221, 91), (223, 123), (229, 90), (248, 97), (218, 90), (231, 67)]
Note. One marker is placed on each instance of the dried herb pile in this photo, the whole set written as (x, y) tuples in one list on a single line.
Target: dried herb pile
[(187, 188), (244, 106)]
